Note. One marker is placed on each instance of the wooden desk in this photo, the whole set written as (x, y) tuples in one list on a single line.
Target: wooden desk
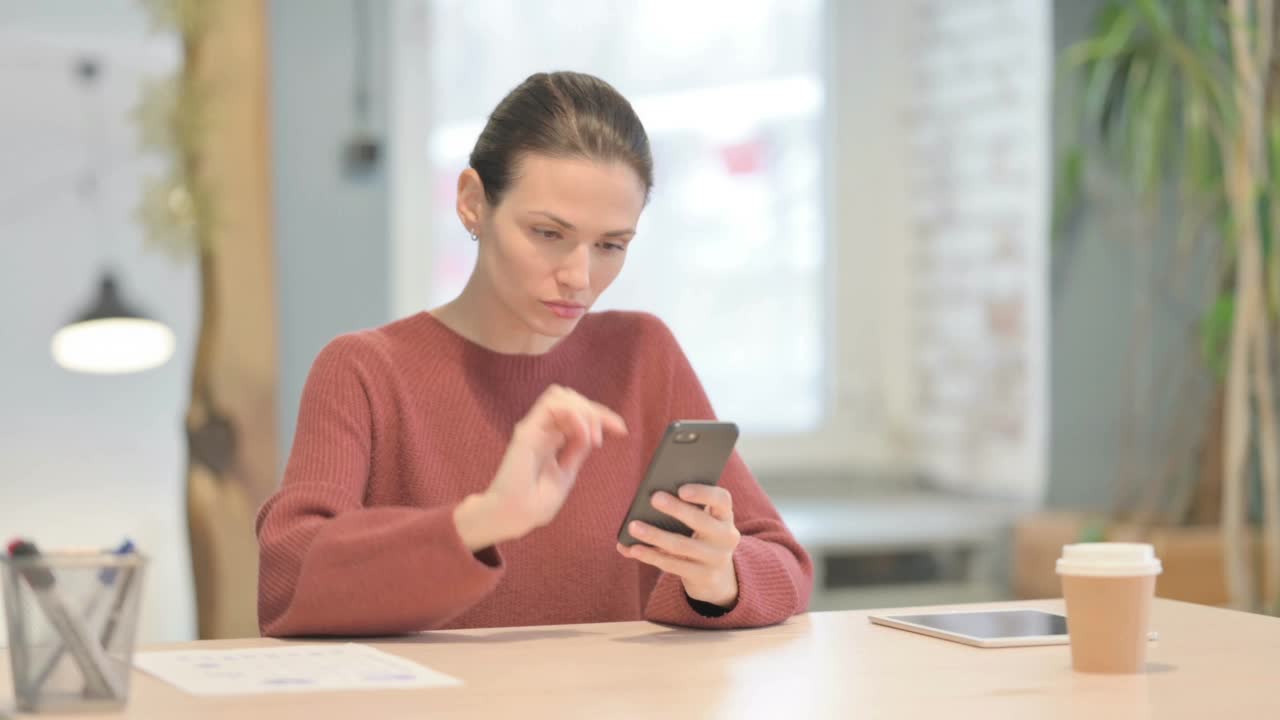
[(1207, 663)]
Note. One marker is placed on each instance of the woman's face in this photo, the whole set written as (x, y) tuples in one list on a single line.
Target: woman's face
[(556, 239)]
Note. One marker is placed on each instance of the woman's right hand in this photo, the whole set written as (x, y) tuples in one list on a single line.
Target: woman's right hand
[(539, 468)]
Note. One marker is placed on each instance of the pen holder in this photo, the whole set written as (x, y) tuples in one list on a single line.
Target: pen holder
[(72, 619)]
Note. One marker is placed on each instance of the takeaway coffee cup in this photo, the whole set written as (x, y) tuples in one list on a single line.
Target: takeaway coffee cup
[(1109, 589)]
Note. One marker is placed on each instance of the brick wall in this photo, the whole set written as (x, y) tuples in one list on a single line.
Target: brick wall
[(977, 131)]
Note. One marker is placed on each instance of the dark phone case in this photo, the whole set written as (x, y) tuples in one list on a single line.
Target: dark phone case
[(675, 464)]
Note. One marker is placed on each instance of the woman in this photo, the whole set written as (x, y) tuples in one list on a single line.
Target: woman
[(468, 466)]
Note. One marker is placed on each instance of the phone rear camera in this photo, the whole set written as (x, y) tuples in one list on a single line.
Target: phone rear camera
[(687, 437)]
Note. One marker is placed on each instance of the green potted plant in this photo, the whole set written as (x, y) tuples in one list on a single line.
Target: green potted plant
[(1181, 98)]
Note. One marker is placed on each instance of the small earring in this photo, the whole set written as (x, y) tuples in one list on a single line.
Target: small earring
[(474, 238)]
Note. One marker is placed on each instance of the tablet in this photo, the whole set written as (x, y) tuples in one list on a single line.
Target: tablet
[(987, 628)]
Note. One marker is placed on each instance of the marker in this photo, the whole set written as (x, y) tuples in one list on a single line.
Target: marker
[(106, 577), (88, 654)]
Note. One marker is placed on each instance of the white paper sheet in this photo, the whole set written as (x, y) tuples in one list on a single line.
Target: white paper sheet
[(293, 668)]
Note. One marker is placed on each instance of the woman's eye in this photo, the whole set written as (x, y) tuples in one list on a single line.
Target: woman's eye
[(613, 247), (547, 234)]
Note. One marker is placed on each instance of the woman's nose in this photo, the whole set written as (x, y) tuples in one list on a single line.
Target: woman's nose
[(575, 269)]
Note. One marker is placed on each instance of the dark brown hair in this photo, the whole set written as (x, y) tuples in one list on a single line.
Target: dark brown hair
[(561, 114)]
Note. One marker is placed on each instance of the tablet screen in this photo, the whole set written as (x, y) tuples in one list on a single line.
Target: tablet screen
[(989, 625)]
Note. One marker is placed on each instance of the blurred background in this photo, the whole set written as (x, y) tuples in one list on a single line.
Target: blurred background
[(951, 342)]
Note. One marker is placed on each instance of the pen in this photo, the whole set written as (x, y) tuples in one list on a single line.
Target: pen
[(106, 578), (88, 654), (122, 595)]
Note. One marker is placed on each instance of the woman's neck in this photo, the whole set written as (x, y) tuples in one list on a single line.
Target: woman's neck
[(479, 316)]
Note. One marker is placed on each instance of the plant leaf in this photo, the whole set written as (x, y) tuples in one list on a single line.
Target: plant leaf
[(1215, 334), (1068, 188)]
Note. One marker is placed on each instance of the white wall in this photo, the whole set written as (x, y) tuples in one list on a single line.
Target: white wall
[(331, 231), (86, 460)]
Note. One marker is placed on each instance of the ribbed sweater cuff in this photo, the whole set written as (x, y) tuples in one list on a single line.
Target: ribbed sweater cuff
[(766, 592)]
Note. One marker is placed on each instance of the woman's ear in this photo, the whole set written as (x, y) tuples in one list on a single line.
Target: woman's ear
[(471, 201)]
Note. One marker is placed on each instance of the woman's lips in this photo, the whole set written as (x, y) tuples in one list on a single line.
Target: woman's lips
[(567, 311)]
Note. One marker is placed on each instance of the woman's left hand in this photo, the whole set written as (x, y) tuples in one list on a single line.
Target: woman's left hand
[(703, 562)]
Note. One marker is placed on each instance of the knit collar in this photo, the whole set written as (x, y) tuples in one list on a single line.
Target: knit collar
[(476, 357)]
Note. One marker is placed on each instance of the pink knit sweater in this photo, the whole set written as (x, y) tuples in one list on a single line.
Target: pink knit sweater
[(398, 424)]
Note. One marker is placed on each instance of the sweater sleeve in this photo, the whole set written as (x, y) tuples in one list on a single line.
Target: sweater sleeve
[(775, 574), (329, 565)]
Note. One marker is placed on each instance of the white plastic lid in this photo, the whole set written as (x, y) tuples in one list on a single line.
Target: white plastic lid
[(1109, 560)]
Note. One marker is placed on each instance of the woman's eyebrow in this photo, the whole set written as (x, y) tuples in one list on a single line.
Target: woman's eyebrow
[(555, 219), (569, 226)]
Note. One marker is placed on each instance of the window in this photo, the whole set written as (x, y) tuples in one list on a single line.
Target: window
[(802, 151), (730, 250)]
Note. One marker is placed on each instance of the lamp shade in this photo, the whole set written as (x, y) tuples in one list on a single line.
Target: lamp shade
[(112, 338)]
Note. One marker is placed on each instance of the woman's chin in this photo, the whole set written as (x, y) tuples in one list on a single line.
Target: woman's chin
[(557, 327)]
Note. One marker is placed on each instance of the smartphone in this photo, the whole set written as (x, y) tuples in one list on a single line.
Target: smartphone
[(691, 451)]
